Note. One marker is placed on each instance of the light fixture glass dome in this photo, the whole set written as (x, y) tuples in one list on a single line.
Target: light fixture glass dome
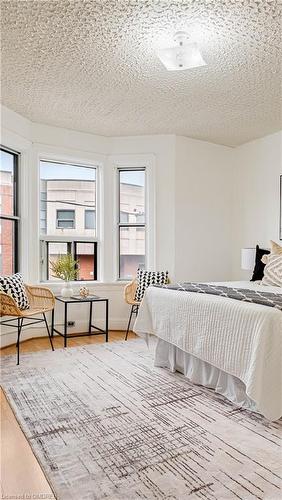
[(182, 56)]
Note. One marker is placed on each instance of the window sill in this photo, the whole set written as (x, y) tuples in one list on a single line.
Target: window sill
[(90, 284)]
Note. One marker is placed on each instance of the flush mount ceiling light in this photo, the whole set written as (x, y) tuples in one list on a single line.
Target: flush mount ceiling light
[(183, 56)]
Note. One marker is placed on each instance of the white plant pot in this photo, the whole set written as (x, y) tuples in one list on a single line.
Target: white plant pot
[(67, 290)]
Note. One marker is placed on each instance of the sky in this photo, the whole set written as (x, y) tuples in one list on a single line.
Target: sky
[(6, 161), (50, 170)]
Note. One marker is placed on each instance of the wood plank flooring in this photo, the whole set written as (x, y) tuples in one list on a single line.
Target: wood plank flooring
[(21, 475)]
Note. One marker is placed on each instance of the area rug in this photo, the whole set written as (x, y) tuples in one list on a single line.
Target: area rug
[(105, 424)]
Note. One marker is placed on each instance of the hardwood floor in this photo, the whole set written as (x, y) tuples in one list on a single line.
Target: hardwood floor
[(21, 475)]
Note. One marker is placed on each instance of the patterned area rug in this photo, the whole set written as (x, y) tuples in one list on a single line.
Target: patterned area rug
[(105, 424)]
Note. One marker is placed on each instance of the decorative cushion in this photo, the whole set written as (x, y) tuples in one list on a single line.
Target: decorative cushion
[(275, 248), (273, 270), (147, 278), (14, 286), (259, 265)]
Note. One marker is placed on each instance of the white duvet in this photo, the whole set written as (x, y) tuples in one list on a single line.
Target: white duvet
[(242, 339)]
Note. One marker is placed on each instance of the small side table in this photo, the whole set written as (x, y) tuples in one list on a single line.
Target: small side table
[(72, 300)]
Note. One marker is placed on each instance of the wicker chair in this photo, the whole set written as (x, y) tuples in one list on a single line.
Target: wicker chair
[(41, 301), (129, 297)]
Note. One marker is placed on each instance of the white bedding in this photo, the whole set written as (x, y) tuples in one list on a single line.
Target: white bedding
[(242, 339)]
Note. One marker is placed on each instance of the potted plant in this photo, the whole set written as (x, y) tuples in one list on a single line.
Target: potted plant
[(65, 268)]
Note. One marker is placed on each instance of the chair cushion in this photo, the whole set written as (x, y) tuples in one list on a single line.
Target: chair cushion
[(147, 278), (14, 286)]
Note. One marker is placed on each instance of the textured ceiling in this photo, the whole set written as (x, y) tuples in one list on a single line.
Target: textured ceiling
[(91, 66)]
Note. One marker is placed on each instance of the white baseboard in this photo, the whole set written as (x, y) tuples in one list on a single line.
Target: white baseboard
[(9, 336)]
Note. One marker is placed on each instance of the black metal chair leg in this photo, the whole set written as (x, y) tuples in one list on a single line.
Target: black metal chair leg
[(128, 326), (49, 334), (20, 324)]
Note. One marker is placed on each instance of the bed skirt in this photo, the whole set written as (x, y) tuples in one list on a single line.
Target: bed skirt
[(202, 373)]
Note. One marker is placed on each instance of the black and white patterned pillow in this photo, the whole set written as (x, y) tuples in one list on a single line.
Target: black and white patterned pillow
[(147, 278), (14, 286)]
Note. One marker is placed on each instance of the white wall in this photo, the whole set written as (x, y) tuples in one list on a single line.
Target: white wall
[(258, 166), (156, 152), (206, 202), (203, 210)]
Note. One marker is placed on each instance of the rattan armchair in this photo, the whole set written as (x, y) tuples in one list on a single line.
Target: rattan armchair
[(129, 297), (41, 301)]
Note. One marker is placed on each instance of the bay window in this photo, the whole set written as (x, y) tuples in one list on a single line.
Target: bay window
[(68, 216), (131, 221), (9, 217)]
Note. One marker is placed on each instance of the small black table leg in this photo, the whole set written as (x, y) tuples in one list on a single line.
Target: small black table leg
[(65, 324), (52, 323), (107, 320), (20, 324), (90, 318)]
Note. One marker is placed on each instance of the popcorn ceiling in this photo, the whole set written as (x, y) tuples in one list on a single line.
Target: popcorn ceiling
[(91, 66)]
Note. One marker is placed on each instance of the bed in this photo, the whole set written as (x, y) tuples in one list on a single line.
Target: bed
[(231, 346)]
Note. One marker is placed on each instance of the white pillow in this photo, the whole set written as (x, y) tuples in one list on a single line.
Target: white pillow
[(273, 270)]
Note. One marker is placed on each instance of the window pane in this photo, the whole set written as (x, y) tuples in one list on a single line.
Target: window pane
[(132, 250), (132, 196), (124, 217), (86, 260), (65, 224), (54, 251), (90, 219), (65, 219), (43, 213), (7, 231), (66, 191), (65, 214), (7, 183)]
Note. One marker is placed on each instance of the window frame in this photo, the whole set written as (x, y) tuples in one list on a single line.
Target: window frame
[(47, 254), (95, 257), (71, 241), (58, 220), (130, 224), (72, 249), (15, 218)]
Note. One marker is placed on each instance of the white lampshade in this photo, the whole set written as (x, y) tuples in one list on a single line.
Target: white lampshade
[(181, 57), (248, 256)]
